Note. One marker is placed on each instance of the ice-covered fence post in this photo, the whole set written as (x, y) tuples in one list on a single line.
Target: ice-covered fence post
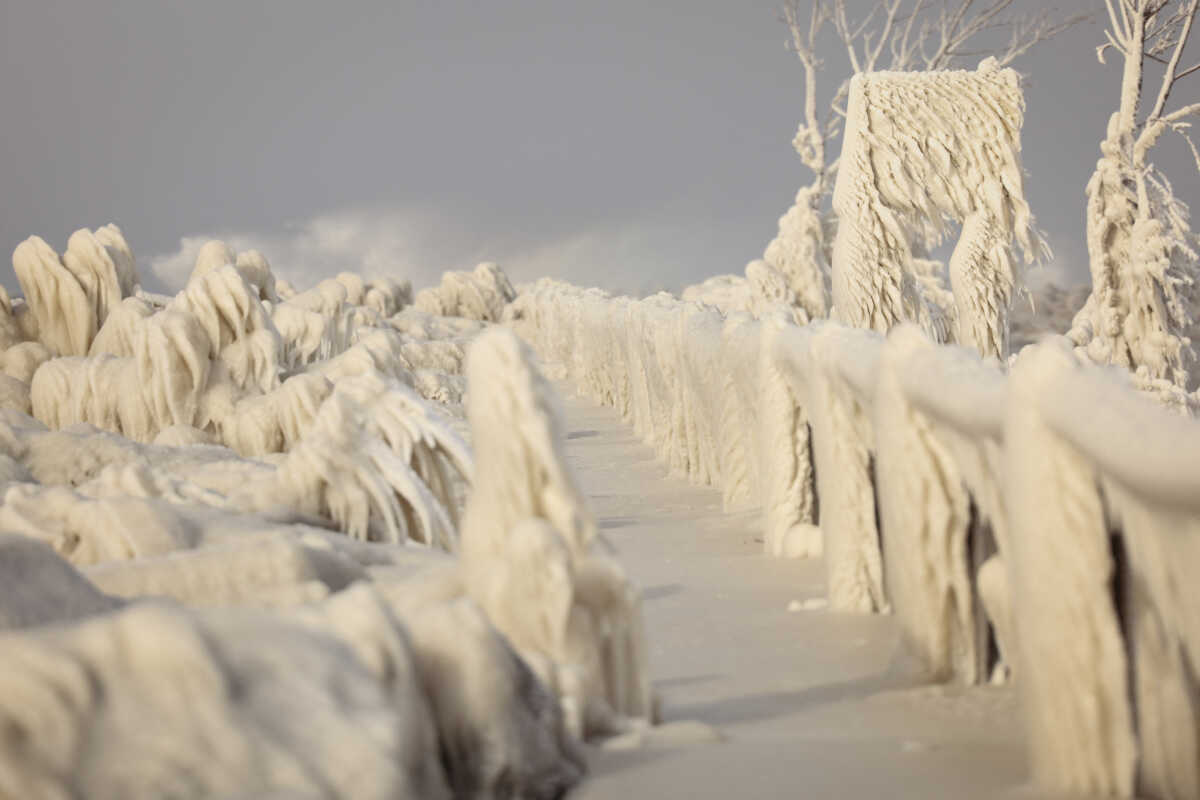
[(738, 411), (1070, 655), (925, 513), (529, 552), (658, 425), (701, 331), (833, 367), (788, 485), (621, 362), (922, 149), (669, 424), (639, 381), (1121, 641)]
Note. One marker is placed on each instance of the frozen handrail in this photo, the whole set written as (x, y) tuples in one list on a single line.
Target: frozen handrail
[(1128, 437), (952, 385)]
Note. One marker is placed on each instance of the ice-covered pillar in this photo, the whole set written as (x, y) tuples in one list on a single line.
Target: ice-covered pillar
[(1108, 611), (789, 497), (738, 376), (841, 441), (925, 510), (701, 331), (530, 552), (1071, 657), (922, 149)]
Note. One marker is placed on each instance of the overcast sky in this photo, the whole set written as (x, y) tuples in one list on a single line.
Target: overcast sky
[(629, 145)]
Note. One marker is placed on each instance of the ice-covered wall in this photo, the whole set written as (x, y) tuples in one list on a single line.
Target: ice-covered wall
[(1040, 527)]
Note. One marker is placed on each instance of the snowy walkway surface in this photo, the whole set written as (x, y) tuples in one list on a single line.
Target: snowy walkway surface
[(808, 703)]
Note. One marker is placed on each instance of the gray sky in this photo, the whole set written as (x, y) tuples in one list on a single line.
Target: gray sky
[(628, 145)]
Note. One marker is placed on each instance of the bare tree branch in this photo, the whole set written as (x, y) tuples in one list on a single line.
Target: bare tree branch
[(903, 35), (1189, 13), (1188, 71)]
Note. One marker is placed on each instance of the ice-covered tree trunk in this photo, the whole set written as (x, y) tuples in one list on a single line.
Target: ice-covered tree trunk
[(922, 150)]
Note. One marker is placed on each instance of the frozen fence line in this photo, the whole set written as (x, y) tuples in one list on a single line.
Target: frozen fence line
[(1041, 523)]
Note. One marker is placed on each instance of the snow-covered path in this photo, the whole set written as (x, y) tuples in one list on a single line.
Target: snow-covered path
[(809, 703)]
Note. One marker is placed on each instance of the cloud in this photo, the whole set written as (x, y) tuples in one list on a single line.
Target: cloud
[(628, 259), (373, 243), (633, 258)]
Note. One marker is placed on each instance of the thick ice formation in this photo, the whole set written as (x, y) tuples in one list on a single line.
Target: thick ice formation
[(1141, 255), (1142, 252), (922, 149), (785, 455), (764, 290), (379, 462), (934, 547), (480, 294), (70, 297), (1108, 634), (738, 403), (1073, 665), (192, 451), (530, 549), (801, 252), (838, 380), (211, 365)]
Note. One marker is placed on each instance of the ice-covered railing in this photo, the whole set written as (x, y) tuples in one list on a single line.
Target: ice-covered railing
[(1041, 523), (1103, 498)]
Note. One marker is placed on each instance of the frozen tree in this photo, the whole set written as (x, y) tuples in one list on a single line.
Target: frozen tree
[(921, 150), (897, 35), (1142, 254)]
